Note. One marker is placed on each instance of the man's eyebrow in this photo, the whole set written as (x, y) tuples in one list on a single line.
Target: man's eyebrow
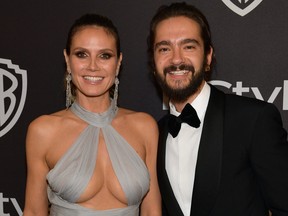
[(189, 40), (162, 43), (184, 41)]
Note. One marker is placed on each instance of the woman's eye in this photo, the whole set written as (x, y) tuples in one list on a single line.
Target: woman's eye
[(80, 54), (105, 56)]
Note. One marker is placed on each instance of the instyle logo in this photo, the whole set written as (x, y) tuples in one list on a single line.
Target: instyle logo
[(13, 90), (6, 200), (240, 89), (242, 7)]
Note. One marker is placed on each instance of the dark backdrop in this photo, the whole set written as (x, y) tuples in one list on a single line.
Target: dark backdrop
[(250, 40)]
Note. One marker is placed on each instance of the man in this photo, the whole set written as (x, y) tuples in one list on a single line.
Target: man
[(233, 160)]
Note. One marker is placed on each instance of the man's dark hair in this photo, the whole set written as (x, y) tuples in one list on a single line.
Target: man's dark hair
[(176, 10)]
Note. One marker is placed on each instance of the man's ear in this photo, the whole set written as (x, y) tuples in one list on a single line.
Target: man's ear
[(210, 56)]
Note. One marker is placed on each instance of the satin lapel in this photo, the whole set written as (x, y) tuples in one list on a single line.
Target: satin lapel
[(169, 200), (208, 170)]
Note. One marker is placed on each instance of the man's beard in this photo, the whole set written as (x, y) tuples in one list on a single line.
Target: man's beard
[(180, 95)]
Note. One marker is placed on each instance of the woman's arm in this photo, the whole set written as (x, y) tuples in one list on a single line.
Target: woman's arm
[(36, 201), (151, 205)]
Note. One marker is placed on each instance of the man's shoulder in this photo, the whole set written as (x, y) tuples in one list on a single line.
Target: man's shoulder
[(242, 104), (162, 121), (236, 99)]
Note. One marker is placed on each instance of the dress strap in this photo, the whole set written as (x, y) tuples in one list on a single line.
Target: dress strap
[(96, 119)]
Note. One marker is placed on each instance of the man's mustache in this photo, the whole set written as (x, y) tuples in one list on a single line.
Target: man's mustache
[(179, 67)]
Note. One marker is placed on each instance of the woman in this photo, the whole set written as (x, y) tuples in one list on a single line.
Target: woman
[(92, 158)]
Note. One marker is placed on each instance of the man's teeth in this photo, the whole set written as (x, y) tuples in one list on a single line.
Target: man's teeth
[(181, 72), (92, 78)]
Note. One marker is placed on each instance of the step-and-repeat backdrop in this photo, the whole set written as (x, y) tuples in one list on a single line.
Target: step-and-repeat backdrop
[(250, 39)]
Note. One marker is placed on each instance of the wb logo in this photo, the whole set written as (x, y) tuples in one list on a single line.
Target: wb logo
[(13, 89), (242, 7)]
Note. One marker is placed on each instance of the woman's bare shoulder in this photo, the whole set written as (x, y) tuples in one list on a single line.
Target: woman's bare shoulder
[(46, 127), (140, 120), (47, 121), (136, 117)]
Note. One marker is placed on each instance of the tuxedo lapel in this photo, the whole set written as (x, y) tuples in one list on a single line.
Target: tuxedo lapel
[(208, 169), (169, 200)]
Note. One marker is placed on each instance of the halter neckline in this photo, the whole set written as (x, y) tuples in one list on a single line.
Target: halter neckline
[(96, 119)]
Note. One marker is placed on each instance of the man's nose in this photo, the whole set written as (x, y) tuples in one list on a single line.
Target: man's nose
[(177, 57)]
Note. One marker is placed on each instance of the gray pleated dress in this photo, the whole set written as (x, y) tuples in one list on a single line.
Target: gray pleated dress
[(72, 173)]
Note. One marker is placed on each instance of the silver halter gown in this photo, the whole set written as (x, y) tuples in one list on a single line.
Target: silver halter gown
[(72, 173)]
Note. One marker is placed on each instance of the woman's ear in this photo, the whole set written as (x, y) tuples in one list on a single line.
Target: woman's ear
[(66, 60), (119, 64)]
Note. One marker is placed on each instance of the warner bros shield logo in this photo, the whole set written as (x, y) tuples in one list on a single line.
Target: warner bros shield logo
[(242, 7), (13, 90)]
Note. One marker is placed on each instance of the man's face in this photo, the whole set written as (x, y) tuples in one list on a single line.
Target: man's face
[(179, 57)]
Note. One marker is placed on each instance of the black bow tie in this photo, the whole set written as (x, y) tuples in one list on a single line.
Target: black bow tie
[(188, 115)]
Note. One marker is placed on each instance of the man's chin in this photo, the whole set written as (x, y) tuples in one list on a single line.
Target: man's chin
[(177, 88)]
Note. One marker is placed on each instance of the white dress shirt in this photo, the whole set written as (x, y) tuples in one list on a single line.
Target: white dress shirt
[(182, 151)]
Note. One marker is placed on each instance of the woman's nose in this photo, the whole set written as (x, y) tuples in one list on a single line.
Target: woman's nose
[(93, 65)]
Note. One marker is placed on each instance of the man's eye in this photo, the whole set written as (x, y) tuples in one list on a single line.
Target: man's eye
[(190, 47), (163, 49)]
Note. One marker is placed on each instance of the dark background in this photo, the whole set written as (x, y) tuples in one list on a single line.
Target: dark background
[(251, 50)]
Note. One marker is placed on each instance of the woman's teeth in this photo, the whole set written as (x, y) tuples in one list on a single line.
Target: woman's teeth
[(92, 78)]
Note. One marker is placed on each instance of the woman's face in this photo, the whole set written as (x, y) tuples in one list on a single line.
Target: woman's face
[(93, 61)]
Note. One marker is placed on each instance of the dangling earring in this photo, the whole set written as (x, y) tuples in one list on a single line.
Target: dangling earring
[(68, 90), (115, 97)]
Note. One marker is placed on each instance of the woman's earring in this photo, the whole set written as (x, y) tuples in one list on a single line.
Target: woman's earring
[(68, 90), (115, 97)]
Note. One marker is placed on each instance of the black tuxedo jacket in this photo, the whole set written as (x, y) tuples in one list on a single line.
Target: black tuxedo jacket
[(242, 165)]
